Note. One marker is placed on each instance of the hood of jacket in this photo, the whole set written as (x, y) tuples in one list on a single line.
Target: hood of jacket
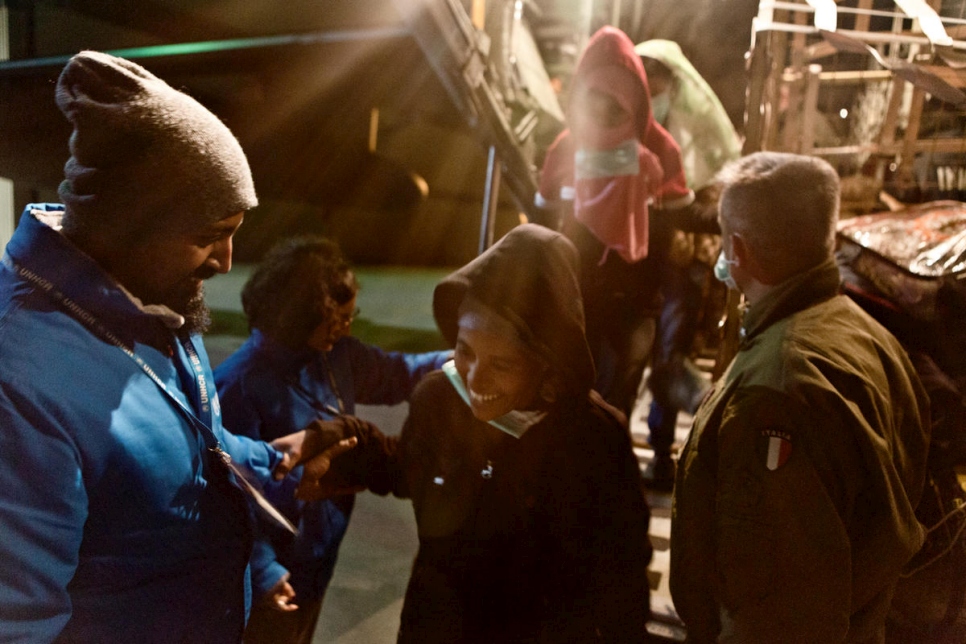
[(617, 166), (608, 51), (529, 277), (696, 119), (610, 64)]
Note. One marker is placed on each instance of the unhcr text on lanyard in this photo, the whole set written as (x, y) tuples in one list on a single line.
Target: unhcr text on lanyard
[(211, 441)]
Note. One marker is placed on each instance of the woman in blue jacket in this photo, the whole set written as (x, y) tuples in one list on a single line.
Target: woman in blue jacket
[(301, 364)]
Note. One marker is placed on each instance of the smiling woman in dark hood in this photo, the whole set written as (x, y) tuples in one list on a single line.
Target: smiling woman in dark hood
[(529, 279), (531, 518)]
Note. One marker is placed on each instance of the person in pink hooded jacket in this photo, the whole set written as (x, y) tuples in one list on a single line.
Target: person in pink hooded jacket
[(617, 176)]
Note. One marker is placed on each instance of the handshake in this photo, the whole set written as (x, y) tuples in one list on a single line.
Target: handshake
[(321, 444)]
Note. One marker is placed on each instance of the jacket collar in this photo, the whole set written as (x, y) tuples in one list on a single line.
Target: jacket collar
[(39, 246), (791, 296), (281, 355)]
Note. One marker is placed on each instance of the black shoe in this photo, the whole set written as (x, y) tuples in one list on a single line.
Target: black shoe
[(659, 473)]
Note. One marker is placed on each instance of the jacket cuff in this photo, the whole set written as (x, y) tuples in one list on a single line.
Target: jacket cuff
[(371, 463), (266, 571)]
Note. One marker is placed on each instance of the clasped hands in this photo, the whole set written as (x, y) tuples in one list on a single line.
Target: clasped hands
[(315, 448)]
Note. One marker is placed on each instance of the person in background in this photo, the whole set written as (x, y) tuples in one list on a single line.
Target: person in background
[(685, 105), (620, 174), (794, 505), (123, 515), (531, 518), (300, 364)]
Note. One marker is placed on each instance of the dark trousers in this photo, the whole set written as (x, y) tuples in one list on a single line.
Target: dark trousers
[(672, 385), (621, 351)]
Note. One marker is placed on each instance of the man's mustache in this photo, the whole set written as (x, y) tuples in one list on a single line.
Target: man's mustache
[(204, 272)]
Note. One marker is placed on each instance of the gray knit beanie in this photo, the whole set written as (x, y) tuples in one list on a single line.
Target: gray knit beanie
[(144, 155)]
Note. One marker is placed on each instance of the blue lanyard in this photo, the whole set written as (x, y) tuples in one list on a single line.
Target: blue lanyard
[(201, 382), (204, 395)]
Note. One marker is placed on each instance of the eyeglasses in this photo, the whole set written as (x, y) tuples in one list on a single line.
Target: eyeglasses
[(346, 321)]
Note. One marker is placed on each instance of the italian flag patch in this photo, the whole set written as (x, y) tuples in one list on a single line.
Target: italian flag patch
[(778, 447)]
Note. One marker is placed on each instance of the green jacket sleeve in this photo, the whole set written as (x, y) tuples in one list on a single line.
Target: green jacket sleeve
[(781, 533)]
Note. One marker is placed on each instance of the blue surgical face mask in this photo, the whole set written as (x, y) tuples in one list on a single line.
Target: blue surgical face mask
[(722, 270), (660, 106)]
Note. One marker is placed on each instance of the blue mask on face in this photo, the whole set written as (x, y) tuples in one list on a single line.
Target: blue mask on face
[(722, 270)]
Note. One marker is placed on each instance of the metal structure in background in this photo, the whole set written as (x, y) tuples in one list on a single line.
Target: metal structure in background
[(827, 95), (429, 67), (822, 77), (460, 53), (488, 222), (4, 32)]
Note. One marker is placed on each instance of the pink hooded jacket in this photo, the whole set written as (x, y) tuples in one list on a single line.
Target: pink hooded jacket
[(613, 203)]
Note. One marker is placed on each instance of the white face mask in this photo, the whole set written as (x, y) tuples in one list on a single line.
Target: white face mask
[(614, 162), (722, 270)]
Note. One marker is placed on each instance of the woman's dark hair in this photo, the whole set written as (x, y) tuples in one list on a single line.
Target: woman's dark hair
[(299, 285)]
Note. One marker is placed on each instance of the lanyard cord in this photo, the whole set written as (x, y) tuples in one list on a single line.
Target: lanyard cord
[(207, 434), (95, 325), (333, 383), (323, 411)]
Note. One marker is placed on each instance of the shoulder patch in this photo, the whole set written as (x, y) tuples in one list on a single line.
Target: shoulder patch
[(775, 447)]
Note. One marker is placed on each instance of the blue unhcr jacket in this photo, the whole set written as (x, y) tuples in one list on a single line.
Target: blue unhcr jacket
[(115, 525), (268, 390)]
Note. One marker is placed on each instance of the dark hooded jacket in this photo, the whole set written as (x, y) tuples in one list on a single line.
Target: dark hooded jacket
[(536, 539)]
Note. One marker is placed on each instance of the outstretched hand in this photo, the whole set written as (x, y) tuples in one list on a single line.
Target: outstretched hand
[(281, 597), (322, 438), (319, 483)]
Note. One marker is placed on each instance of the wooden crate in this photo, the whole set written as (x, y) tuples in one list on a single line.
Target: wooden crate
[(805, 95)]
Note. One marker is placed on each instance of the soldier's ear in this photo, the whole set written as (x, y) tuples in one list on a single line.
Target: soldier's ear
[(748, 263), (740, 252)]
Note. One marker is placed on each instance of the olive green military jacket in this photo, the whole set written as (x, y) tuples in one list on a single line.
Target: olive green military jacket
[(793, 508)]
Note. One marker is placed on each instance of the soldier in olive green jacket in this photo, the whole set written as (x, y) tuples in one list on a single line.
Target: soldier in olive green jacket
[(794, 504)]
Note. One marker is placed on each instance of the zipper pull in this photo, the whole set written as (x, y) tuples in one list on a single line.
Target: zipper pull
[(487, 471)]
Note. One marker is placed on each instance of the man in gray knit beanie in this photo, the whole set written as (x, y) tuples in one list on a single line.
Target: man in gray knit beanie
[(121, 518), (146, 160), (142, 151)]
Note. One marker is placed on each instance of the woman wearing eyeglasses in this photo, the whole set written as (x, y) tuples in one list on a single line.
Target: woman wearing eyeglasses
[(301, 364)]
